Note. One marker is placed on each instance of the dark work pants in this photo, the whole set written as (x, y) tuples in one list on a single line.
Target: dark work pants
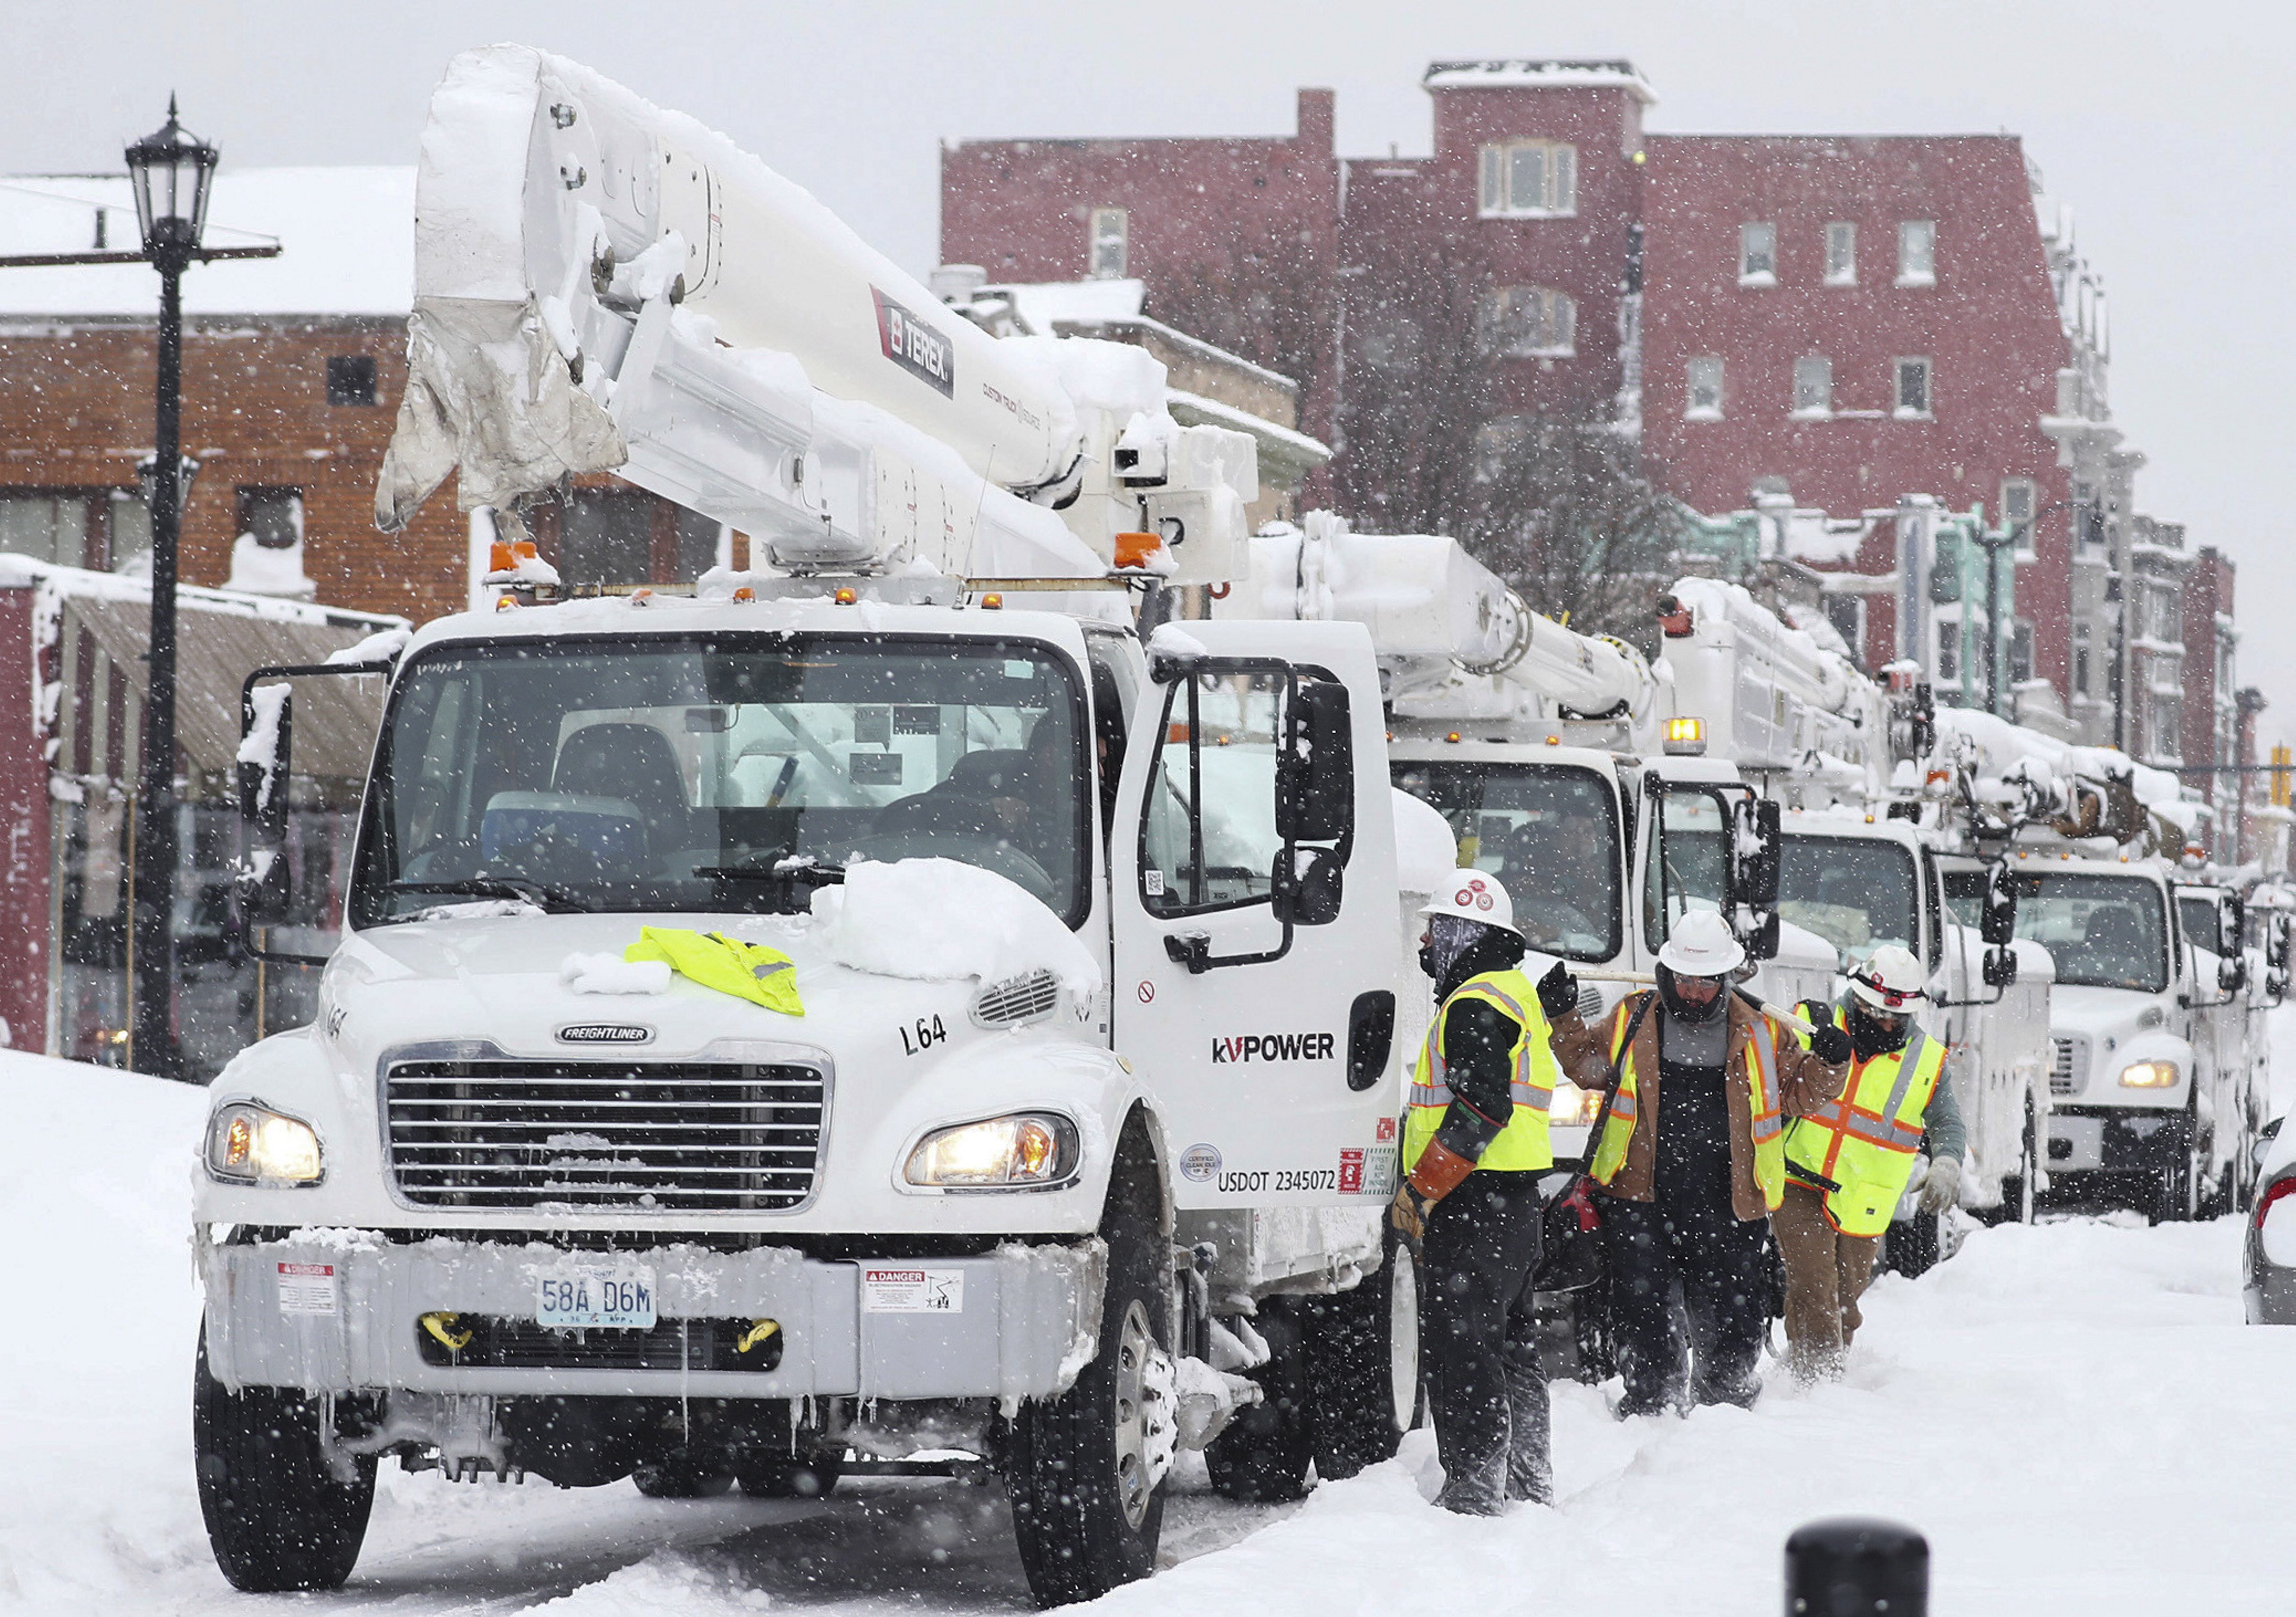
[(1696, 1240), (1480, 1343)]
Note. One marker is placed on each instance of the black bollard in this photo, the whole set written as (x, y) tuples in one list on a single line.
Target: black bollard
[(1857, 1566)]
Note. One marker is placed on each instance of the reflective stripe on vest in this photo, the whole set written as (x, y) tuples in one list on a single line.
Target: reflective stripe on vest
[(1524, 1142), (1865, 1148), (1762, 1093)]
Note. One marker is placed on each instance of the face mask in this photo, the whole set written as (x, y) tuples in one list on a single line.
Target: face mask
[(1872, 1035), (1681, 1009), (1449, 937)]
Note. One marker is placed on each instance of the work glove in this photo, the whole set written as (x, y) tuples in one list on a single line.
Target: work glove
[(1815, 1012), (1436, 1175), (1942, 1188), (1558, 991), (1830, 1043)]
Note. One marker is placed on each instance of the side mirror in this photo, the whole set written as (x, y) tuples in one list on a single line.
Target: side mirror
[(1997, 922), (1759, 866), (1305, 886), (2232, 974), (2000, 966), (1316, 772), (1762, 942), (266, 742)]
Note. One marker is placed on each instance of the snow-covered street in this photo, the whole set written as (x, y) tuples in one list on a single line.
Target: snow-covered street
[(2074, 1414)]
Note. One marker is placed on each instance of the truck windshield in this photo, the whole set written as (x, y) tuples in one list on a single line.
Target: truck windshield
[(2102, 931), (1855, 892), (1550, 833), (664, 774)]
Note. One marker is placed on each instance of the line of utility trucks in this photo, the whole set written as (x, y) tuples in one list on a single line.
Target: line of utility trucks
[(1009, 1079)]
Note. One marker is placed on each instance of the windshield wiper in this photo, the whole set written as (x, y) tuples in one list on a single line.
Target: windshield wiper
[(789, 878), (556, 901)]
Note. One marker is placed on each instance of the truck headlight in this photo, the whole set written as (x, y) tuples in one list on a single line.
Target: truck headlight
[(1573, 1107), (2149, 1075), (1026, 1150), (254, 1144)]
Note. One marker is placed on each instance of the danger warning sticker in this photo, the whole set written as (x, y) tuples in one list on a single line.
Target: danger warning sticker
[(307, 1288), (889, 1289)]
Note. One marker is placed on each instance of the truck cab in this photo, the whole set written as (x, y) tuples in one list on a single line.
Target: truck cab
[(1083, 953), (2124, 1104)]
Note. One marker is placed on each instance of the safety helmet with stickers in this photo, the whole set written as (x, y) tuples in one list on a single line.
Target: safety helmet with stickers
[(1889, 981), (1474, 895)]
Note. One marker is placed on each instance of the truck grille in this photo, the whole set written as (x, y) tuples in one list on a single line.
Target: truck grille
[(671, 1137), (2069, 1073), (499, 1343)]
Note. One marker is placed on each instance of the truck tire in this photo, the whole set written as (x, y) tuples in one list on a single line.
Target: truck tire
[(277, 1516), (1364, 1382), (681, 1478), (1262, 1454), (1087, 1506), (1911, 1248), (793, 1477)]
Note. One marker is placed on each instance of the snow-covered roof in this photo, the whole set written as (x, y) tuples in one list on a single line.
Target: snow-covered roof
[(1538, 73), (1040, 303), (347, 236)]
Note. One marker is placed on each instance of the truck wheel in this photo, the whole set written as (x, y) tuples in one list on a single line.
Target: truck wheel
[(1912, 1245), (278, 1517), (1363, 1365), (1086, 1469), (681, 1478), (793, 1477), (1262, 1454)]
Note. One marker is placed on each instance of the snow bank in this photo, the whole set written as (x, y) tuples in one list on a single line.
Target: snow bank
[(939, 920), (95, 1368)]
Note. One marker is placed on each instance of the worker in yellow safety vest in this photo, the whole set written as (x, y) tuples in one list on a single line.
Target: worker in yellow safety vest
[(1474, 1145), (1849, 1162)]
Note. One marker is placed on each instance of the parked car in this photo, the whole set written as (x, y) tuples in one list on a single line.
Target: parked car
[(2267, 1259)]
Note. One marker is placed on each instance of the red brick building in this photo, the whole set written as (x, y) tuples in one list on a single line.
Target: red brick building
[(1844, 320)]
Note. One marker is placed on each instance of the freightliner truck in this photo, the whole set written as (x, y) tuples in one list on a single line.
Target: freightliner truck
[(1020, 1100)]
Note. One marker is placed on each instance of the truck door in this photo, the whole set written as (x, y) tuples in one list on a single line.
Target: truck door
[(1252, 877)]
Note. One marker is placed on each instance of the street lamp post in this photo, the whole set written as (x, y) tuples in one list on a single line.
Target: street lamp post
[(1994, 543), (170, 170)]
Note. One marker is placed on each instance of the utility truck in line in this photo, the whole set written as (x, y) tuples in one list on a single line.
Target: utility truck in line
[(1001, 1076)]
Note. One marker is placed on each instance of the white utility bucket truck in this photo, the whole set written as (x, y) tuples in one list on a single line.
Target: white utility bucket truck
[(1546, 751), (2152, 1082), (1003, 1067), (1869, 859)]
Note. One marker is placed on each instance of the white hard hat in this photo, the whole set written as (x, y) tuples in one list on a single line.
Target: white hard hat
[(1889, 981), (1701, 945), (1473, 895)]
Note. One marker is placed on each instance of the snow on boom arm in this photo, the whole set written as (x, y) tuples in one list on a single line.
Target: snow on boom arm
[(604, 286), (1451, 636)]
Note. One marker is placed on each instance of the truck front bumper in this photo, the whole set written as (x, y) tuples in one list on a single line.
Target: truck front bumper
[(326, 1314)]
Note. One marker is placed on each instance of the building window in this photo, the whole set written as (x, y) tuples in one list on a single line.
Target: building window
[(1813, 387), (2168, 724), (1841, 255), (1917, 252), (1948, 650), (1758, 255), (2019, 504), (350, 379), (1847, 614), (1913, 396), (2081, 659), (2021, 651), (49, 527), (1705, 389), (1112, 236), (1527, 322), (606, 536), (271, 517), (1530, 179)]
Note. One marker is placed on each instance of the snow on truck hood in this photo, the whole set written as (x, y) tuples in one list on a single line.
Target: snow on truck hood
[(929, 920)]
